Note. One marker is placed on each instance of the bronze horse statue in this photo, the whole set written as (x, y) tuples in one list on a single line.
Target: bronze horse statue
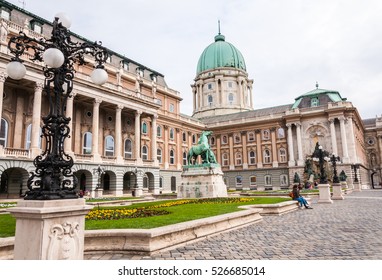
[(201, 149)]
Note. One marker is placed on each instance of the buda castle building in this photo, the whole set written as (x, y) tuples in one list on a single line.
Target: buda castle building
[(131, 128)]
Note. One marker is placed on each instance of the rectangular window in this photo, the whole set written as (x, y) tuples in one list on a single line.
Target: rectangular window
[(5, 14)]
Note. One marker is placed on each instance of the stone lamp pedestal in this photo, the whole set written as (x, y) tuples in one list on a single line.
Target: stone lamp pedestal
[(324, 193), (357, 186), (337, 191), (50, 229)]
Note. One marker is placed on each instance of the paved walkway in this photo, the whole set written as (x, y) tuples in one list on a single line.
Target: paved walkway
[(349, 229)]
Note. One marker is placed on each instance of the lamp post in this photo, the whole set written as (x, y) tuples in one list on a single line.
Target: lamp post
[(356, 184), (53, 177), (320, 156), (337, 188)]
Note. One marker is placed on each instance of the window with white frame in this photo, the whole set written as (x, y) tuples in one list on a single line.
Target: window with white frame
[(251, 136), (145, 152), (280, 133), (36, 26), (5, 13), (231, 98), (225, 159), (172, 157), (3, 133), (230, 84), (268, 180), (159, 155), (209, 86), (87, 143), (184, 158), (224, 139), (109, 146), (237, 138), (210, 100), (282, 155), (144, 128), (128, 149), (172, 108), (238, 158), (266, 134), (252, 157), (252, 181), (267, 156), (239, 181), (159, 131), (171, 134), (314, 102), (212, 141)]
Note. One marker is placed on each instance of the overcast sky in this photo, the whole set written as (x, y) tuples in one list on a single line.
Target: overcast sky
[(287, 45)]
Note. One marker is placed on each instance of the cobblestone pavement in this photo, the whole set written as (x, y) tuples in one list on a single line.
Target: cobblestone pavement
[(349, 229)]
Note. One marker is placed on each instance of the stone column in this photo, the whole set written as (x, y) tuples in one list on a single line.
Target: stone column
[(69, 114), (178, 149), (275, 162), (351, 143), (259, 154), (77, 133), (324, 193), (245, 153), (290, 145), (154, 140), (138, 136), (95, 130), (345, 157), (118, 133), (36, 118), (218, 149), (333, 136), (19, 122), (300, 159), (166, 147)]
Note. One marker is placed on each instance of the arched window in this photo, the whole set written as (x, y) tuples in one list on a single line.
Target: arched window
[(267, 156), (252, 157), (172, 157), (3, 133), (159, 155), (184, 137), (224, 139), (193, 139), (238, 158), (231, 98), (145, 155), (282, 155), (128, 149), (212, 140), (109, 146), (87, 143), (144, 128), (210, 100), (28, 137), (225, 159), (171, 134), (159, 131)]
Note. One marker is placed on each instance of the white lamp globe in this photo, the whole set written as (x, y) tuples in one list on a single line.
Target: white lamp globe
[(53, 57), (64, 20), (99, 76), (16, 70)]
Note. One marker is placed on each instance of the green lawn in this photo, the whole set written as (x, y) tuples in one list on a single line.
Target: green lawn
[(178, 213)]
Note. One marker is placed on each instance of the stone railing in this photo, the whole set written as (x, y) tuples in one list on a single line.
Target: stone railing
[(12, 152)]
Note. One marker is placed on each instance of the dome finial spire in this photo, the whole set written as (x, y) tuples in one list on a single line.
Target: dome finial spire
[(219, 26), (316, 85)]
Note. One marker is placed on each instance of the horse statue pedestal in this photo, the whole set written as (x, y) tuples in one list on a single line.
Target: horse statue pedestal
[(202, 181)]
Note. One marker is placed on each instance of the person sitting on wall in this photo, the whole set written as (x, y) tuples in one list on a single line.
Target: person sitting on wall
[(301, 200)]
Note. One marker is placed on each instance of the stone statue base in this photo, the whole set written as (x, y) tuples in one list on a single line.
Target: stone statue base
[(201, 181)]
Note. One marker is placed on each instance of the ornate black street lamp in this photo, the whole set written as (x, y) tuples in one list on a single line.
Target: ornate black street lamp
[(355, 168), (333, 160), (99, 171), (319, 155), (53, 177)]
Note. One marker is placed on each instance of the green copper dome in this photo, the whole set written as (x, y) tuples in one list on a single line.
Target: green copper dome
[(220, 54)]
